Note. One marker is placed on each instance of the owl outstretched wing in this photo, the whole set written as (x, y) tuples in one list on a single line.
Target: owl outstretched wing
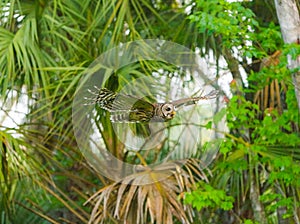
[(131, 109), (128, 108), (123, 108), (193, 100)]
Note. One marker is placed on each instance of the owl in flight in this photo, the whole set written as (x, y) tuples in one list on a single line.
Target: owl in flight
[(128, 108)]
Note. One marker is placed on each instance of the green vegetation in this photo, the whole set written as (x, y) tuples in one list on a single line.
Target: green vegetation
[(45, 49)]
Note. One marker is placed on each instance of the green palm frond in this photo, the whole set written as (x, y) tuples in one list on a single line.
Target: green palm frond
[(17, 166)]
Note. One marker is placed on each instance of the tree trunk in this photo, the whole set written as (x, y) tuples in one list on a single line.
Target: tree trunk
[(289, 20), (257, 207)]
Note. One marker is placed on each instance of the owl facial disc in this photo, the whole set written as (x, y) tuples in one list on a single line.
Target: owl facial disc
[(168, 111)]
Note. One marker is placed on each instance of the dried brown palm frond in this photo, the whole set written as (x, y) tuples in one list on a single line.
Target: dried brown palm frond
[(131, 201), (269, 98)]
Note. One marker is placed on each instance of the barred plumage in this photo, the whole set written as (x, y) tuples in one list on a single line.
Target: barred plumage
[(127, 108)]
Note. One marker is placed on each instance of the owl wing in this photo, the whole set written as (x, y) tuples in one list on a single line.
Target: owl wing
[(193, 100), (123, 108)]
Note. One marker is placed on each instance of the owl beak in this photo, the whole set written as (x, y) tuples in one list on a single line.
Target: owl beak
[(173, 113)]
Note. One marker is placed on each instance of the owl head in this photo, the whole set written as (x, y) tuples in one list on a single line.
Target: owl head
[(168, 111)]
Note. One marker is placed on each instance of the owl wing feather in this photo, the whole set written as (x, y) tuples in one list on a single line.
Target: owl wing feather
[(123, 108), (193, 100), (131, 109)]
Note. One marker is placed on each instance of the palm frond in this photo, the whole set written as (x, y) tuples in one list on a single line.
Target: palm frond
[(133, 200)]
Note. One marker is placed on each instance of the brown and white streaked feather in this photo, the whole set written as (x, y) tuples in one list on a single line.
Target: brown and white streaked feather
[(123, 108), (127, 108), (193, 100), (111, 101)]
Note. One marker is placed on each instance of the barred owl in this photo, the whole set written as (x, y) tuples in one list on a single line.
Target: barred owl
[(128, 108)]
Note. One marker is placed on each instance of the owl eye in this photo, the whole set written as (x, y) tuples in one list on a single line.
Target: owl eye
[(168, 109)]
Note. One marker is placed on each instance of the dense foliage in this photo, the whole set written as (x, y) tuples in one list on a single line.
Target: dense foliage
[(45, 47)]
